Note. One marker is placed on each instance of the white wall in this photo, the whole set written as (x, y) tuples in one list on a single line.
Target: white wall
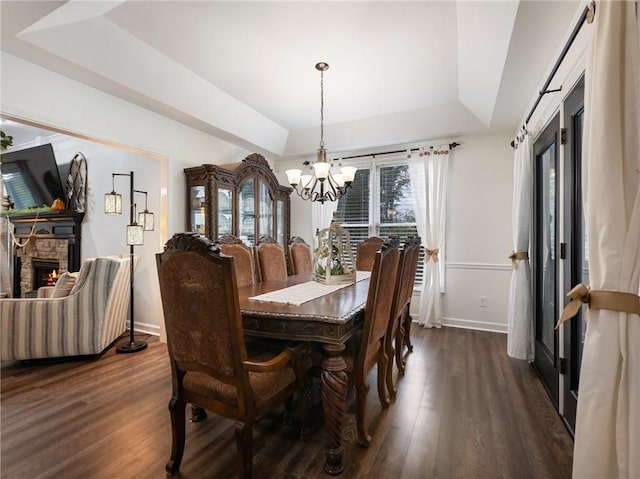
[(479, 233), (478, 230), (154, 147)]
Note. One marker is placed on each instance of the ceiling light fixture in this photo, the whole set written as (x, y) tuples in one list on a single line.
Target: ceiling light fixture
[(323, 185)]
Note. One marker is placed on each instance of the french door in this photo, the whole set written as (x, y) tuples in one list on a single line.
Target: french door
[(546, 248), (576, 266), (558, 363)]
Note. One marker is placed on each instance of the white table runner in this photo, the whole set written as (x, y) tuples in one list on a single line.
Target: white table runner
[(301, 293)]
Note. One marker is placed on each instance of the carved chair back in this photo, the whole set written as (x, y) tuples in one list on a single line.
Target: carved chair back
[(366, 253), (300, 256), (243, 254), (271, 261)]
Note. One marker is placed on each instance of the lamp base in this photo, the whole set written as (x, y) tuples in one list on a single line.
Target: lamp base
[(131, 347)]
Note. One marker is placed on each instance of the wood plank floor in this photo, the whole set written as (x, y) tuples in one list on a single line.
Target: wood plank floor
[(464, 410)]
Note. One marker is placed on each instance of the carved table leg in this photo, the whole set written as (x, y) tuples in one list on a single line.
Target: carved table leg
[(334, 398)]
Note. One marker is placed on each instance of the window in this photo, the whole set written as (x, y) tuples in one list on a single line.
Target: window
[(379, 204)]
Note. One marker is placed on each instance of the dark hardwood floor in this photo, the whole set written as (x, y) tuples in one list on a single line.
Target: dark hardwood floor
[(464, 410)]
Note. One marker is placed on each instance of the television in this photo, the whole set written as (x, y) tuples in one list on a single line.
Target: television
[(31, 177)]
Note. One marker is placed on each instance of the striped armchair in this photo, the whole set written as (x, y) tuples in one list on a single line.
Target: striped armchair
[(85, 322)]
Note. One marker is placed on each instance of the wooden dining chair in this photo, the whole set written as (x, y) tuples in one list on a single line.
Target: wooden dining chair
[(209, 363), (270, 258), (402, 299), (368, 349), (405, 325), (243, 254), (366, 253), (300, 256)]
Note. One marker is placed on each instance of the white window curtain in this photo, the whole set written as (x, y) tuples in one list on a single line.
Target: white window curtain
[(521, 333), (321, 216), (607, 441), (429, 196)]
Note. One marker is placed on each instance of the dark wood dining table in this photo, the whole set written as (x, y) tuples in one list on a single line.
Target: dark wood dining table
[(329, 321)]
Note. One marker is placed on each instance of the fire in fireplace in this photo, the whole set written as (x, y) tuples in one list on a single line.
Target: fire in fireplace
[(45, 273)]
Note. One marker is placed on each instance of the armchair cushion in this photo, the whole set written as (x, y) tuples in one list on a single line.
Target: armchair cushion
[(44, 291), (64, 285)]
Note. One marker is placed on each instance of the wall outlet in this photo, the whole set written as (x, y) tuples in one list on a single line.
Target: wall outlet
[(482, 301)]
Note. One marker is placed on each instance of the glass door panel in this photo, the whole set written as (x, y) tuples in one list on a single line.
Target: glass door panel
[(225, 211), (545, 264), (549, 243), (577, 269), (246, 212), (265, 218), (280, 222), (197, 209)]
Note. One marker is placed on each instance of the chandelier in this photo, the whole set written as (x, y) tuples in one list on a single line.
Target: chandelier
[(324, 184)]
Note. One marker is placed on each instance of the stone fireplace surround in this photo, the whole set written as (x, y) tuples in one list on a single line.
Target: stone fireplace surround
[(45, 250), (57, 239)]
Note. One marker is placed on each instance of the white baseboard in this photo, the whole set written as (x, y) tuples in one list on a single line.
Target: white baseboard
[(473, 324), (151, 329)]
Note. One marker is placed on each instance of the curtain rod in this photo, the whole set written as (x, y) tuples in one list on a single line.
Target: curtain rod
[(560, 59), (545, 89), (373, 155)]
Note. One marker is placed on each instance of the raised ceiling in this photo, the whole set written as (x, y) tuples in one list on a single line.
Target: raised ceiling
[(400, 72)]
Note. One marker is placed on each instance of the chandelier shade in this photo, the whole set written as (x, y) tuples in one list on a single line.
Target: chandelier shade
[(323, 184)]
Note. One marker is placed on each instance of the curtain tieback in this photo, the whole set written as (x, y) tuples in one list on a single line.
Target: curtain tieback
[(431, 254), (517, 255), (611, 300)]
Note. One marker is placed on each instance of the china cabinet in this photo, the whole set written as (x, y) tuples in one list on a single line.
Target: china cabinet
[(242, 199)]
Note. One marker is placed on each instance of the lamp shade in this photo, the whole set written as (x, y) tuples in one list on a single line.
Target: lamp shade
[(337, 177), (135, 235), (293, 176), (113, 203), (348, 173), (321, 169), (145, 218)]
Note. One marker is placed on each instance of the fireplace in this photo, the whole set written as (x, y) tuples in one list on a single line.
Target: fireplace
[(55, 244), (45, 273)]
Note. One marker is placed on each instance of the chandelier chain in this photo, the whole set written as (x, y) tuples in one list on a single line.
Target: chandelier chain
[(321, 109)]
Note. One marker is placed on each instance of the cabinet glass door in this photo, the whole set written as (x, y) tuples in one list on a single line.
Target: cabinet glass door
[(280, 222), (225, 211), (266, 209), (246, 212), (197, 216)]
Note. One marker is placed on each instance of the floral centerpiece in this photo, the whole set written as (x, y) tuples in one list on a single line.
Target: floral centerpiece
[(333, 261)]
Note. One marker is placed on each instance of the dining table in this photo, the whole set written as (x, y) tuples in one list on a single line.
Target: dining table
[(297, 308)]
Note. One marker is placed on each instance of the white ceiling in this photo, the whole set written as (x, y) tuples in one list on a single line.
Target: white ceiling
[(400, 72)]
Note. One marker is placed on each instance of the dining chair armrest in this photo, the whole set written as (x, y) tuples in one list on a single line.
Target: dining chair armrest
[(282, 359)]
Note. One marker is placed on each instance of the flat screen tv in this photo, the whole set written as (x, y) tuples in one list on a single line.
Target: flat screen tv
[(31, 177)]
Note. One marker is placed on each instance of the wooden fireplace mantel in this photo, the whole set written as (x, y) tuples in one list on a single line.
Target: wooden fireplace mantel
[(49, 224)]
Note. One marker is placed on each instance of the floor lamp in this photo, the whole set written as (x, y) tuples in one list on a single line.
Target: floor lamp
[(135, 237)]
